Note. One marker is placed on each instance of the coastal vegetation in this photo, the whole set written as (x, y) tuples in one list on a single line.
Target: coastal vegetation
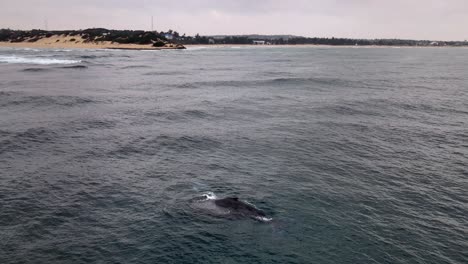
[(173, 38), (139, 37), (296, 40)]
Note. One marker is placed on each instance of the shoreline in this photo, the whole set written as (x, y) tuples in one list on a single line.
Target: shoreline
[(65, 44), (307, 46), (97, 45), (69, 42)]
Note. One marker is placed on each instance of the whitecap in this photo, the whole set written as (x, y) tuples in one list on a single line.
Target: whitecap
[(210, 196), (29, 49), (264, 219), (40, 61)]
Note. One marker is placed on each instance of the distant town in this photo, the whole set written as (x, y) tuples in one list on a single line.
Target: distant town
[(171, 37), (298, 40)]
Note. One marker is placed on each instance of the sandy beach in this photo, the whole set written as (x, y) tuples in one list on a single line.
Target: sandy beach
[(75, 42)]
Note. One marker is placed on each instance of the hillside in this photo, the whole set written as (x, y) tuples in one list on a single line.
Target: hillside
[(88, 38)]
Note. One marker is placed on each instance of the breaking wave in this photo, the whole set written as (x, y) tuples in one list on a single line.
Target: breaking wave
[(40, 61)]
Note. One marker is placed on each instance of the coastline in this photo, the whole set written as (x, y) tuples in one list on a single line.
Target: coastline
[(188, 46), (51, 43), (62, 42)]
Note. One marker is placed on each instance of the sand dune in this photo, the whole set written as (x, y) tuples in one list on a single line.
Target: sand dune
[(67, 42)]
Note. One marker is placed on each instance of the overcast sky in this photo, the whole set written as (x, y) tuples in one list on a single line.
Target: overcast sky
[(414, 19)]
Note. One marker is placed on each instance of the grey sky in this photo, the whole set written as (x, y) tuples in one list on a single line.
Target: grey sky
[(415, 19)]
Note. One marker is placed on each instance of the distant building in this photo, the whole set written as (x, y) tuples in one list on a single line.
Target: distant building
[(211, 41), (169, 36), (259, 42)]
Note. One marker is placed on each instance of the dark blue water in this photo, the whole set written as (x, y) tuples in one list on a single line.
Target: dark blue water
[(359, 155)]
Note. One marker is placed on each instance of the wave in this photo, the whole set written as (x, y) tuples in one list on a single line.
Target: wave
[(28, 49), (277, 73), (4, 135), (185, 86), (277, 60), (136, 67), (89, 57), (31, 138), (196, 114), (154, 145), (35, 70), (39, 101), (308, 81), (185, 115), (95, 124), (109, 55), (75, 67), (3, 93), (40, 61), (282, 82), (164, 73)]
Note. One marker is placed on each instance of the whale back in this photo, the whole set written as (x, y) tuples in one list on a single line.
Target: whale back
[(233, 203)]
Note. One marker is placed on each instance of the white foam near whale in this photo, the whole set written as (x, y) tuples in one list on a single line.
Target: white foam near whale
[(263, 219), (40, 61), (210, 196)]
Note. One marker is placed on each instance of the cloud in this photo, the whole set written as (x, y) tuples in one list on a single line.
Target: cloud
[(417, 19)]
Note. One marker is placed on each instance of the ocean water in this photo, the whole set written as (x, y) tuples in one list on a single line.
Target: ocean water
[(358, 155)]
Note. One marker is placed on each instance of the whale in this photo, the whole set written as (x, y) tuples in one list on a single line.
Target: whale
[(240, 208), (230, 207)]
